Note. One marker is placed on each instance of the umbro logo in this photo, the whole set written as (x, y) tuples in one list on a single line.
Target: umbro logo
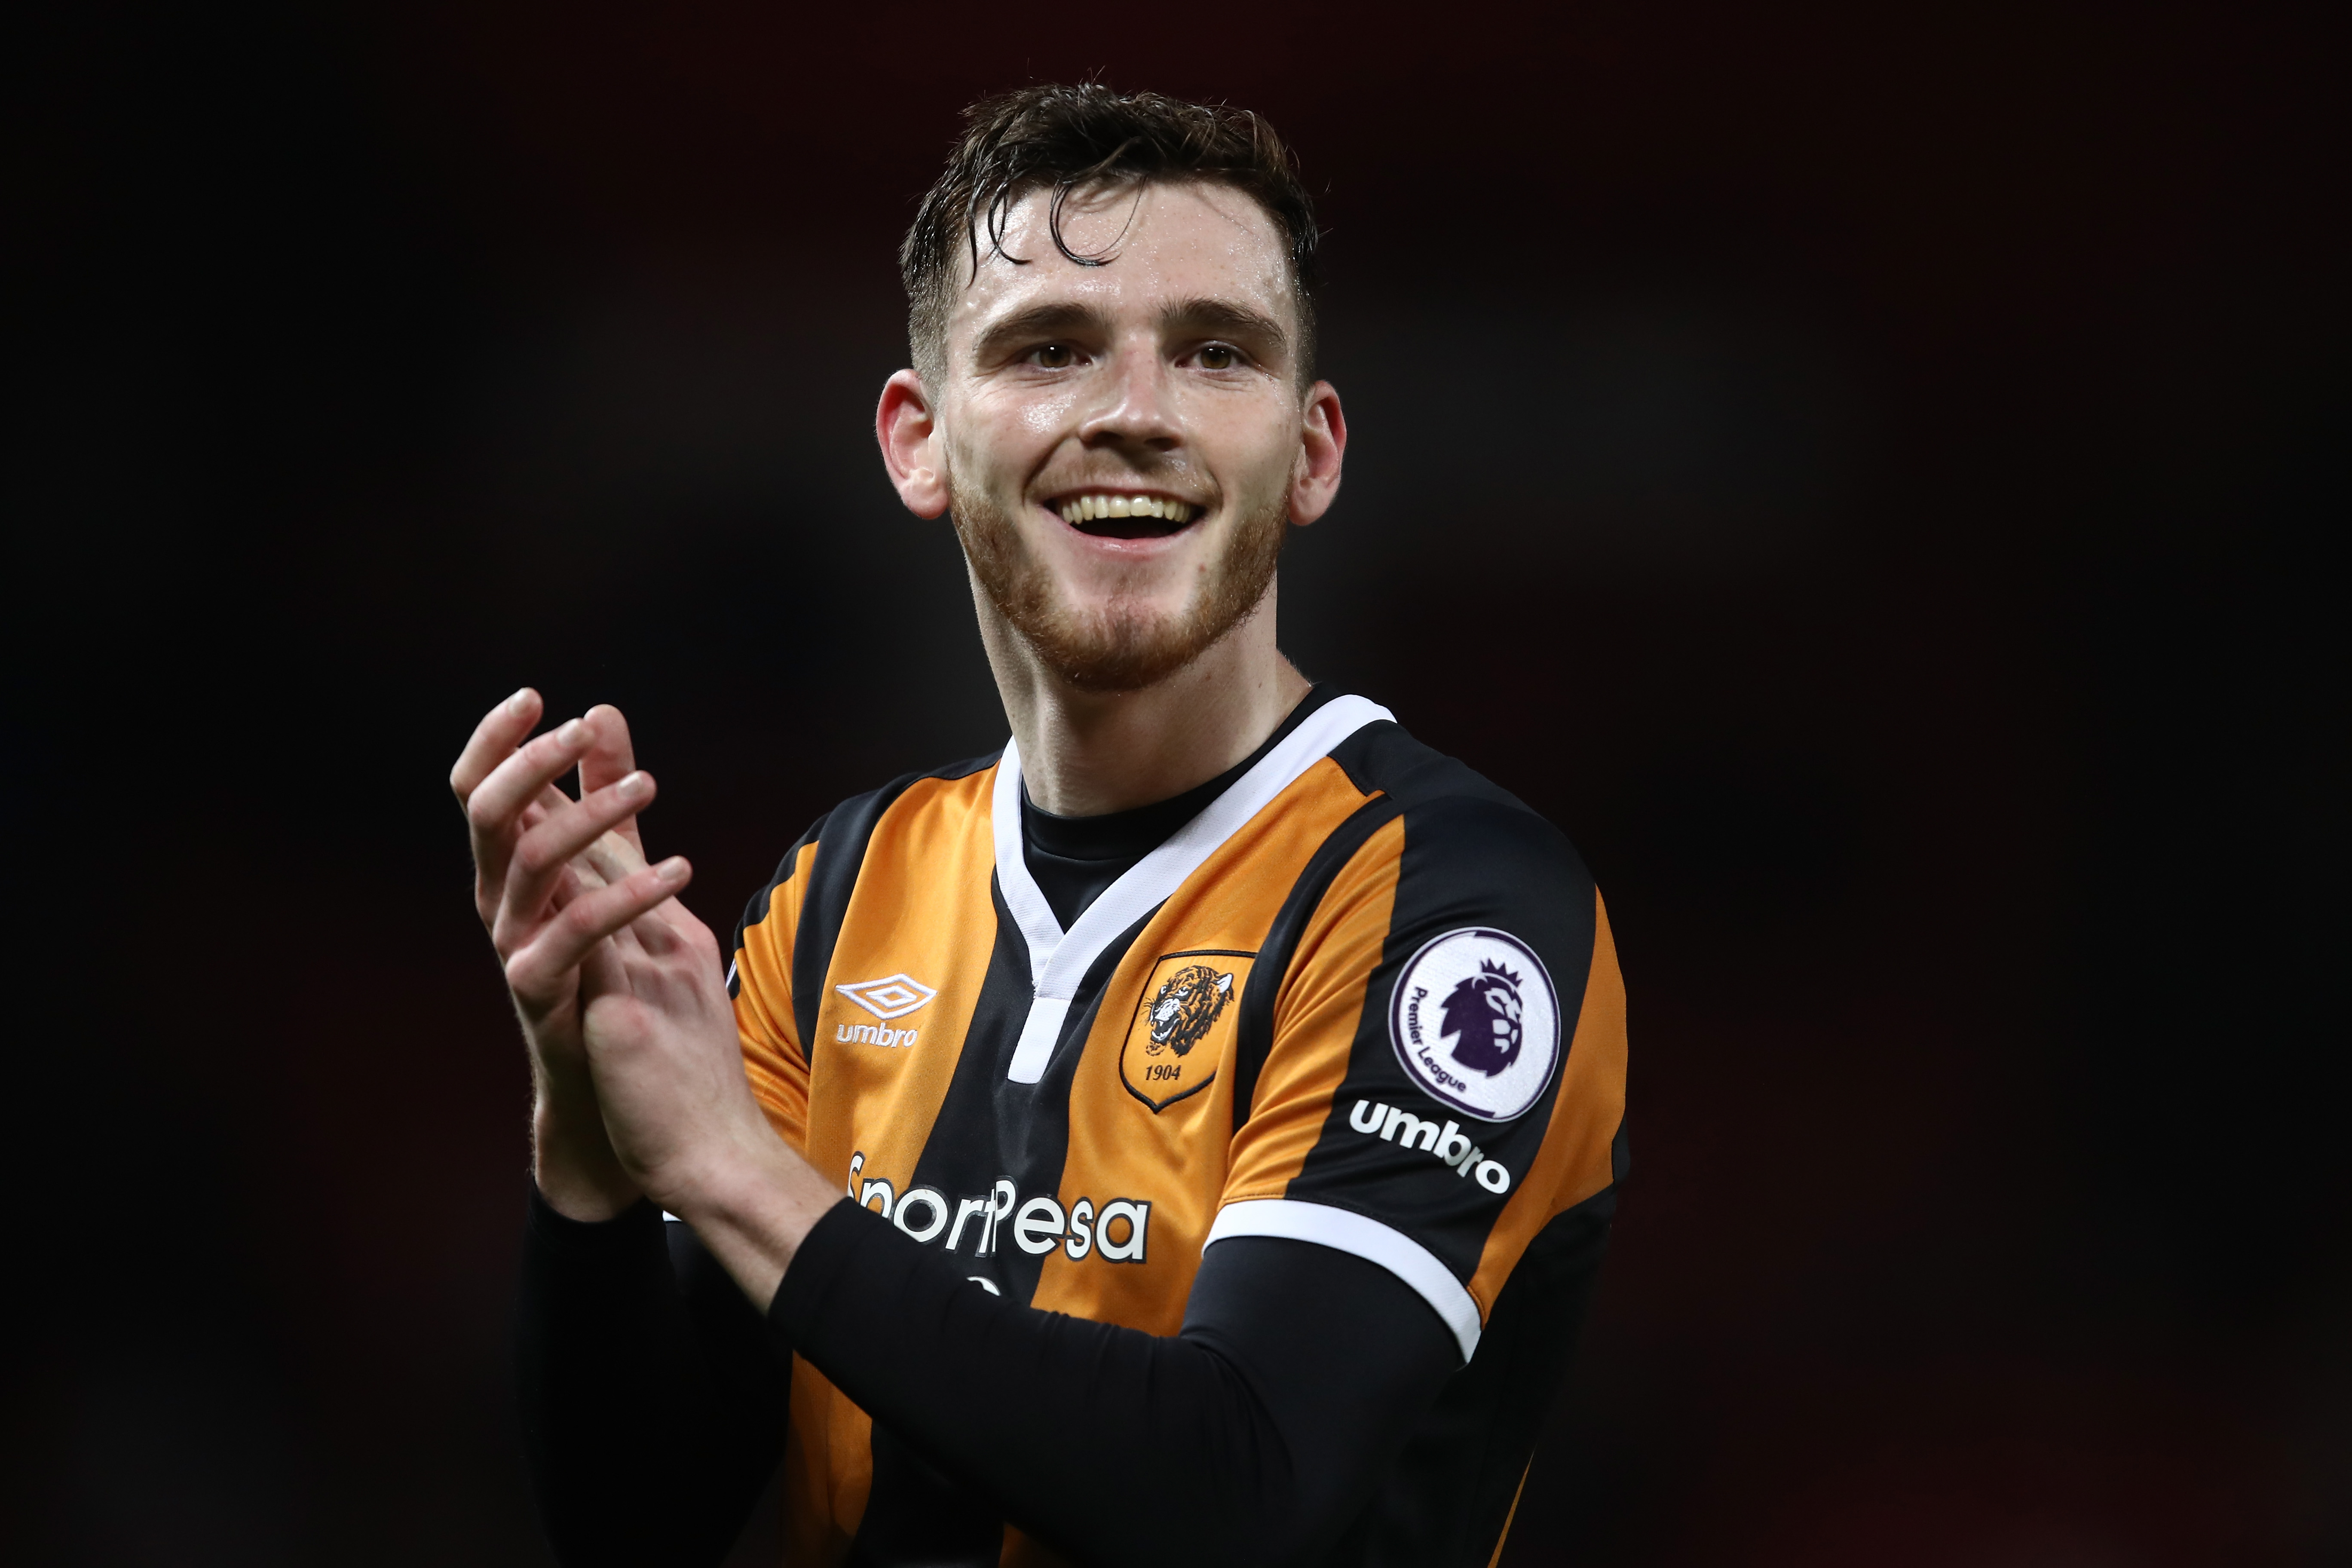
[(893, 996)]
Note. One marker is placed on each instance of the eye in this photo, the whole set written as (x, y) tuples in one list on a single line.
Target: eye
[(1054, 357), (1220, 356)]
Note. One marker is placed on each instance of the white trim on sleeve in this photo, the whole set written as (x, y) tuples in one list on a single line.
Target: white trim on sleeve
[(1345, 1230)]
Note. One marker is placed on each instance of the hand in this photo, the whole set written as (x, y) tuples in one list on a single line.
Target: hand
[(536, 853), (639, 1078)]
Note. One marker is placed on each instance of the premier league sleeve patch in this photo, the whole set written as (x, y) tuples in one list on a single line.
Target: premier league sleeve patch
[(1476, 1022)]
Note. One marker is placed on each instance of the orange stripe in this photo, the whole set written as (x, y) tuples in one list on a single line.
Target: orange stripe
[(922, 892), (772, 1057), (1316, 1017), (922, 896), (1573, 1162), (828, 1470)]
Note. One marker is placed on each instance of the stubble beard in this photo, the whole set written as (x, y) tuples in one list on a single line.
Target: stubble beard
[(1124, 645)]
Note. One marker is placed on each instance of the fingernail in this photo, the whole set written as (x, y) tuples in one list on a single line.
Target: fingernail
[(632, 787), (571, 734), (520, 701), (673, 870)]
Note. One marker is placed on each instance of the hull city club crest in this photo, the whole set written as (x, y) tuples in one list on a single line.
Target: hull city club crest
[(1476, 1023), (1184, 1024)]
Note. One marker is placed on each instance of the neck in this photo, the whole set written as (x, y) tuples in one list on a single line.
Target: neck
[(1084, 754)]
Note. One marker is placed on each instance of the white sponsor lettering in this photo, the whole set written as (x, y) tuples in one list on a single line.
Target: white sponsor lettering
[(930, 1203), (1038, 1226), (1130, 1249), (966, 1208), (1118, 1232)]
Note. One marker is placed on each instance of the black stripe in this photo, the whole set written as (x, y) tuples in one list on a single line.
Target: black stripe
[(757, 910), (840, 857), (1384, 759), (988, 1128)]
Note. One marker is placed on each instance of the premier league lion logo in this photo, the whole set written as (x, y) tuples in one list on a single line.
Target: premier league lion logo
[(1482, 1015), (1185, 1006)]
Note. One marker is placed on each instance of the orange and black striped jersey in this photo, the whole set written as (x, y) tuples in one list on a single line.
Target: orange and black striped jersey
[(1363, 999)]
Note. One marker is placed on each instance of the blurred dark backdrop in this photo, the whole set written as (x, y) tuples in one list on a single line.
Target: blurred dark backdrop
[(1862, 472)]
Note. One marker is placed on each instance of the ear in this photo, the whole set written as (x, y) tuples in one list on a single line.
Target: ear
[(1322, 447), (1225, 983), (907, 428)]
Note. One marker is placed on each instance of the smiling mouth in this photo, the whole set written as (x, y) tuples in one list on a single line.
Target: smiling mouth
[(1107, 515)]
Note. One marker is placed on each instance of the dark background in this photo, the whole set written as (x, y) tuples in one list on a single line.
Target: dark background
[(1864, 473)]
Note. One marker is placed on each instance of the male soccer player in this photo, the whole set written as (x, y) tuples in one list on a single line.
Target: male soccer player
[(1187, 1136)]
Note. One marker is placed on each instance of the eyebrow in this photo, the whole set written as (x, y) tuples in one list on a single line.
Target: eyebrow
[(1034, 321), (1220, 318)]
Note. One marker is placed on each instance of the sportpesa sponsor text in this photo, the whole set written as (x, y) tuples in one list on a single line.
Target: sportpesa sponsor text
[(1119, 1231)]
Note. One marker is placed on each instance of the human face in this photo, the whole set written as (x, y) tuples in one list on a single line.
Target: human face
[(1070, 393)]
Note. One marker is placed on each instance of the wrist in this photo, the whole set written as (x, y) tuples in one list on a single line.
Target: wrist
[(573, 1159), (752, 1204)]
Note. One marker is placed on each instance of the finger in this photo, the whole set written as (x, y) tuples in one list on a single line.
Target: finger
[(494, 739), (609, 761), (541, 970), (501, 807), (545, 852), (524, 778)]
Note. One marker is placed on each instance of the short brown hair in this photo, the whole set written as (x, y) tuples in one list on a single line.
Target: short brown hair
[(1066, 138)]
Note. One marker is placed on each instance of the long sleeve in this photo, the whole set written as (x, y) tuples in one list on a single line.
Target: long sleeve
[(653, 1403), (1262, 1427)]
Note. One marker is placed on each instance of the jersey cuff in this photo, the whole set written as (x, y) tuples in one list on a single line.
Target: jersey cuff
[(1345, 1230)]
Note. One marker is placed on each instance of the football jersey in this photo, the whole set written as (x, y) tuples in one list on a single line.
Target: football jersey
[(1364, 999)]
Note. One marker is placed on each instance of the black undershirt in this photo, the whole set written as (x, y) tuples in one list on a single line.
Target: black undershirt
[(1075, 859), (653, 1393)]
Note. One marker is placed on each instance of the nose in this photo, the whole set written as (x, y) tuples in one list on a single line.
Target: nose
[(1136, 408)]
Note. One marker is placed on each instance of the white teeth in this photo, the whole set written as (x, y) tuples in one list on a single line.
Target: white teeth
[(1093, 508)]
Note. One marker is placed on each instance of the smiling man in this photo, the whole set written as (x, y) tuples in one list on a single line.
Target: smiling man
[(1189, 1135)]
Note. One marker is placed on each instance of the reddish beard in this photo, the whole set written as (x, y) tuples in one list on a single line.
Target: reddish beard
[(1124, 645)]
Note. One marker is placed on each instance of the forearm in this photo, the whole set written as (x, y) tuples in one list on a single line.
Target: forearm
[(1049, 1415)]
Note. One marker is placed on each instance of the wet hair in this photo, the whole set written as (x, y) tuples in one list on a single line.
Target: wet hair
[(1064, 139)]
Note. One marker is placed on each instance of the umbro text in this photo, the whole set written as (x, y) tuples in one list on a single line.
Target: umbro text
[(873, 1034), (1450, 1144)]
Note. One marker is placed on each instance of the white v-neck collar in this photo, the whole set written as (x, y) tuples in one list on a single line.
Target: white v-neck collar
[(1059, 960)]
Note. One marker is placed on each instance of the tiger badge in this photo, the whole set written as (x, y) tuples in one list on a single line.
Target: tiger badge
[(1184, 1024)]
